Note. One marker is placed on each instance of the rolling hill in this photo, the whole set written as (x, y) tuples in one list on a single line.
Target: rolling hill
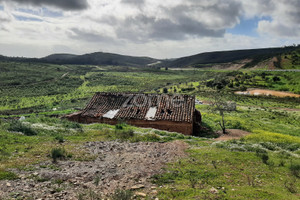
[(283, 57), (254, 56), (99, 58)]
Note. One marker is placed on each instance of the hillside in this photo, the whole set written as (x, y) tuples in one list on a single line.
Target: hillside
[(274, 58), (39, 151), (98, 58), (255, 56)]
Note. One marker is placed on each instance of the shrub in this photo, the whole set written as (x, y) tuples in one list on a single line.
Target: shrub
[(263, 154), (125, 134), (269, 145), (193, 178), (60, 138), (284, 154), (74, 125), (122, 195), (4, 175), (120, 126), (290, 186), (97, 180), (89, 195), (21, 127), (58, 153), (151, 137), (295, 169)]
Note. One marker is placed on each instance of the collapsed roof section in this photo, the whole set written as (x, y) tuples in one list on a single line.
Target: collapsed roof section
[(179, 108)]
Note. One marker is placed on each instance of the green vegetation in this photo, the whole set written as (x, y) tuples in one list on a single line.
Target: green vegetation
[(21, 127), (122, 195), (58, 153), (262, 165), (4, 175), (212, 173)]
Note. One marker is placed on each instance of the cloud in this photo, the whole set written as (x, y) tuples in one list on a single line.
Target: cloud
[(5, 17), (62, 4), (134, 2), (156, 28), (284, 14), (279, 29), (157, 21), (89, 36)]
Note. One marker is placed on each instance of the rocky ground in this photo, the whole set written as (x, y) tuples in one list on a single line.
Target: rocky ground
[(126, 166)]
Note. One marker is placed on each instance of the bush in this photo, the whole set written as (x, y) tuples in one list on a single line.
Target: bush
[(74, 125), (18, 126), (126, 134), (120, 126), (58, 153), (264, 156), (295, 169), (60, 138), (122, 195), (89, 195), (151, 137), (269, 146), (4, 175)]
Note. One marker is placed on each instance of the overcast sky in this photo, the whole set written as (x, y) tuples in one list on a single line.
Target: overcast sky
[(156, 28)]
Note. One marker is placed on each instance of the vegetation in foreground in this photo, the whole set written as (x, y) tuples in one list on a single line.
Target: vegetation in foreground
[(261, 165)]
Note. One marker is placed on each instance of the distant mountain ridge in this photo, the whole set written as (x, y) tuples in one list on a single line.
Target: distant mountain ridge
[(99, 58), (254, 57)]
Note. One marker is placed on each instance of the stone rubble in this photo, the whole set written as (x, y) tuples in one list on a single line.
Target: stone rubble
[(127, 166)]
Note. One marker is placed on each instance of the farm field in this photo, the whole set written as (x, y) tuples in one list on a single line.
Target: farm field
[(265, 164)]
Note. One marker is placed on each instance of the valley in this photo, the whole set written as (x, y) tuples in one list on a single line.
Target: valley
[(45, 156)]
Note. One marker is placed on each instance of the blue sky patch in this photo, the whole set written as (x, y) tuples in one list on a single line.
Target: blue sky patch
[(22, 18), (42, 12), (247, 26), (50, 13), (1, 7)]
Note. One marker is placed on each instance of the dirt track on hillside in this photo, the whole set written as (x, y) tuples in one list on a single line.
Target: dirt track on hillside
[(259, 92)]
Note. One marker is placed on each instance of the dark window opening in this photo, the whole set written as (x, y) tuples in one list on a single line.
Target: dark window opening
[(162, 111), (169, 111), (138, 111)]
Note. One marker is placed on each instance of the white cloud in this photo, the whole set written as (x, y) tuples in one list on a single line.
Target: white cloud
[(284, 14), (155, 28)]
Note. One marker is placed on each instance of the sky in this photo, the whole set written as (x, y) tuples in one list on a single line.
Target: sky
[(155, 28)]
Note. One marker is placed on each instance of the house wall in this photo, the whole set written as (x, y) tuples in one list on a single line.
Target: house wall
[(180, 127)]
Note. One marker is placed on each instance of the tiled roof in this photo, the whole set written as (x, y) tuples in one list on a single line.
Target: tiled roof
[(136, 106)]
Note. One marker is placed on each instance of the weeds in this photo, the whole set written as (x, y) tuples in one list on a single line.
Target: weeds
[(295, 169), (58, 153), (193, 178), (97, 180), (18, 126), (60, 138), (290, 185), (122, 195), (4, 175), (250, 180)]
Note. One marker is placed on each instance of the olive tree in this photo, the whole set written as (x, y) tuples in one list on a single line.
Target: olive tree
[(219, 105)]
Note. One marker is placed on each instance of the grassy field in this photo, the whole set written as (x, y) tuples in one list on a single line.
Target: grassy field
[(262, 165)]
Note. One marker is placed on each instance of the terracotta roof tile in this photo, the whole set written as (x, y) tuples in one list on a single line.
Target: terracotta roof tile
[(136, 106)]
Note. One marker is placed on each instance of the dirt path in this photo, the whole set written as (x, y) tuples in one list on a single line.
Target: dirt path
[(257, 92), (117, 165), (232, 134)]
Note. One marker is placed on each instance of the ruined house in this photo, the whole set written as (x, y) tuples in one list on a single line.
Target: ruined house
[(166, 112)]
